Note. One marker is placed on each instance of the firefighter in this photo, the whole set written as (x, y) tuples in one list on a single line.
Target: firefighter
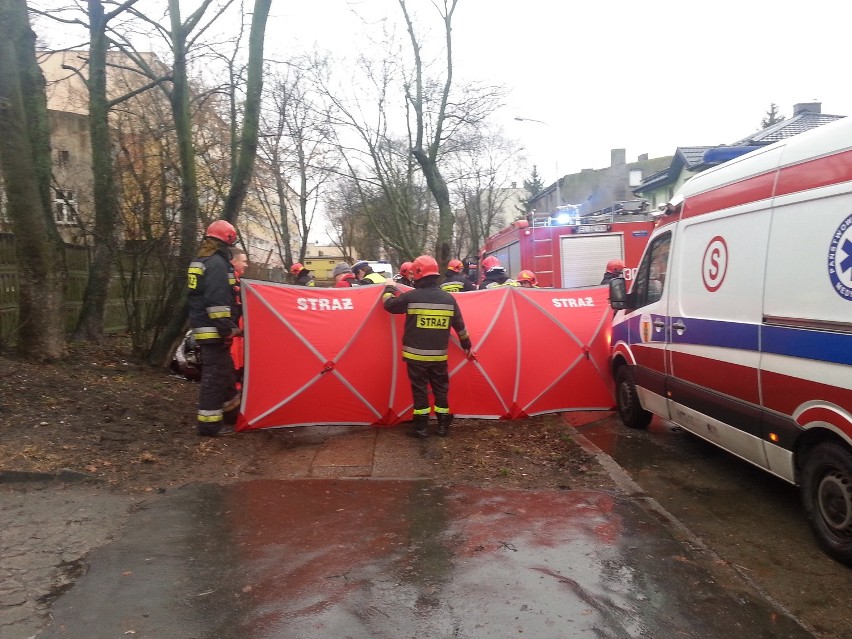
[(614, 268), (454, 280), (210, 280), (404, 275), (495, 274), (364, 272), (301, 275), (429, 314), (527, 279), (239, 260)]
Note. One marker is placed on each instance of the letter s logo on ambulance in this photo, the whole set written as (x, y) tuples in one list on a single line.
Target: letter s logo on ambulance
[(715, 264), (840, 259)]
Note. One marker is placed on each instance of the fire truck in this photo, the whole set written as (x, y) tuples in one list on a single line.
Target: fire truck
[(566, 249)]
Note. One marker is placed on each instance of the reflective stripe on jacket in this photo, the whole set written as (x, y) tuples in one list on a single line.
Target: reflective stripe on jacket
[(210, 282), (430, 313)]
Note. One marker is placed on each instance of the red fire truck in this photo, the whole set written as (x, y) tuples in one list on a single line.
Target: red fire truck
[(566, 249)]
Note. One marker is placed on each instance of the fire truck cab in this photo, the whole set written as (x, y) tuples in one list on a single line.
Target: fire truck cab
[(566, 249)]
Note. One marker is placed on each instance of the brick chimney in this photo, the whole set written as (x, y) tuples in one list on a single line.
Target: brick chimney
[(807, 107), (617, 157)]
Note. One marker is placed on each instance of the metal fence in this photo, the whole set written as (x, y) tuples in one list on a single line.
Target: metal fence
[(77, 258)]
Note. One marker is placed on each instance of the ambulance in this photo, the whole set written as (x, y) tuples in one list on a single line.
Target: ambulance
[(738, 323)]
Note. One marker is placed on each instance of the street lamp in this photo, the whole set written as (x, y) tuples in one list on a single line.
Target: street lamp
[(558, 177)]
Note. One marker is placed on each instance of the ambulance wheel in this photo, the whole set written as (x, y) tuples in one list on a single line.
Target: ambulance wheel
[(627, 400), (827, 496)]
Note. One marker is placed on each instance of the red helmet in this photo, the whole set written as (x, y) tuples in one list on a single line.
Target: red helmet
[(614, 265), (423, 266), (406, 270), (490, 262), (296, 269), (528, 276), (222, 230), (455, 265)]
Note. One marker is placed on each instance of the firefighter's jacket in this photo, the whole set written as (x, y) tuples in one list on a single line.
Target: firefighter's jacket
[(456, 283), (429, 314), (372, 278), (497, 277), (210, 280), (305, 278)]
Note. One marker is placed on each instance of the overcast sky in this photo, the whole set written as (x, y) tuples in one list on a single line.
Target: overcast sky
[(602, 74)]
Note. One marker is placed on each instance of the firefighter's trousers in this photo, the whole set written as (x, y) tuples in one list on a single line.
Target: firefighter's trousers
[(422, 375), (218, 398)]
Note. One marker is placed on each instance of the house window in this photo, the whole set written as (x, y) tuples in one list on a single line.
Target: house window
[(635, 177), (64, 207), (671, 192), (62, 158)]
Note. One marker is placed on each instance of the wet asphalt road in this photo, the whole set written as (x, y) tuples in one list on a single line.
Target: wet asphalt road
[(353, 558), (750, 518)]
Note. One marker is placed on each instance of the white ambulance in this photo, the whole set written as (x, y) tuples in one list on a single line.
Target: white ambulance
[(738, 325)]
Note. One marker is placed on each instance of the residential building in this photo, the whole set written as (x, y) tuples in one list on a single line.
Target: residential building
[(593, 190), (320, 259), (659, 187), (147, 173)]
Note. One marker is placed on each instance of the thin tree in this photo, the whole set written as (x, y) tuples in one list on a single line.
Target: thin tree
[(296, 146), (247, 146), (26, 167), (773, 116), (90, 323), (426, 151)]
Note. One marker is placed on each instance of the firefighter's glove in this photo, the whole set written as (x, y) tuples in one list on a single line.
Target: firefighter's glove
[(390, 289), (236, 332), (466, 346)]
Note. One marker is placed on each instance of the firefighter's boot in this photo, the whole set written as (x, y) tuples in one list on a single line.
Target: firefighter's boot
[(444, 422), (420, 427)]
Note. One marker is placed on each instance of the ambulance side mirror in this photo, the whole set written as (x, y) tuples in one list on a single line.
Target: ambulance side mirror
[(618, 297)]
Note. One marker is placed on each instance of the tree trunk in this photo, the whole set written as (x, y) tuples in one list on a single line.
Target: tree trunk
[(176, 304), (251, 117), (26, 166), (90, 324), (438, 188)]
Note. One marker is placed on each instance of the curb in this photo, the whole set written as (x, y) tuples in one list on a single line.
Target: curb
[(634, 491), (65, 475)]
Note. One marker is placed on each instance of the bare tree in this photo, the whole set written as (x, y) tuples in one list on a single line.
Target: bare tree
[(482, 172), (26, 167), (297, 148), (437, 119), (380, 166)]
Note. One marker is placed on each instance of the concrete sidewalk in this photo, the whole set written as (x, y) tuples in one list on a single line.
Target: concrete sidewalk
[(401, 557), (347, 452)]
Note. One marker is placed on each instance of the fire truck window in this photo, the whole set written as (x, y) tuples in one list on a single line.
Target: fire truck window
[(651, 276)]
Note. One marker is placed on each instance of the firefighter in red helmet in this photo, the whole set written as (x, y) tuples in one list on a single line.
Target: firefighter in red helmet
[(301, 275), (527, 279), (495, 274), (212, 318), (405, 274), (429, 314), (454, 280), (614, 268)]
